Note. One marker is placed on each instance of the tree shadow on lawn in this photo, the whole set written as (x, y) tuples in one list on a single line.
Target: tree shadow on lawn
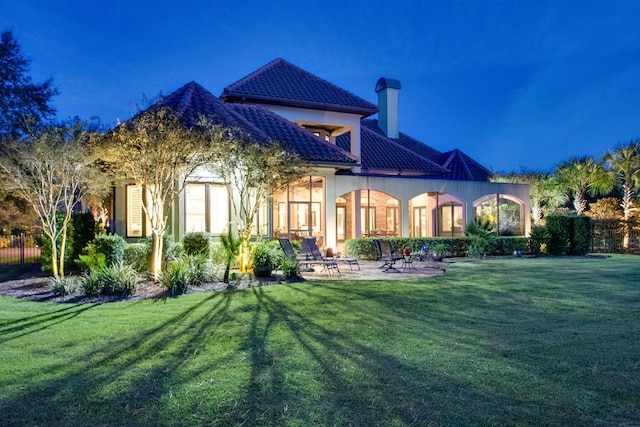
[(299, 365)]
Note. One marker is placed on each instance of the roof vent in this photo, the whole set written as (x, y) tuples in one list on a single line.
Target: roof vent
[(388, 90)]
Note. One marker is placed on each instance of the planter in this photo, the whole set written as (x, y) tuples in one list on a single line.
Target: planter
[(262, 271), (437, 257), (517, 253)]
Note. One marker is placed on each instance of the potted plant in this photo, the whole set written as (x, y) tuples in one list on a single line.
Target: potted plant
[(262, 259), (438, 251)]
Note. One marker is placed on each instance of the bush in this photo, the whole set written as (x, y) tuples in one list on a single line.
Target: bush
[(63, 286), (538, 240), (265, 254), (112, 246), (360, 248), (177, 276), (137, 255), (581, 235), (84, 231), (116, 279), (197, 242), (479, 233), (558, 227), (290, 268), (91, 260)]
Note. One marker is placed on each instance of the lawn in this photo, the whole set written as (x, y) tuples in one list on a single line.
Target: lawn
[(548, 341)]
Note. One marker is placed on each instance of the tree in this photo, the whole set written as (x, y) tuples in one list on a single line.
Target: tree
[(582, 176), (23, 104), (154, 151), (624, 163), (251, 172), (53, 172)]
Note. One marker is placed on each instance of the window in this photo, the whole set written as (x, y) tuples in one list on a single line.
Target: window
[(420, 221), (195, 217), (341, 222), (218, 208), (206, 208), (368, 219), (451, 219)]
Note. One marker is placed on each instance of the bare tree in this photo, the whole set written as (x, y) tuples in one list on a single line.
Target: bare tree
[(53, 173), (251, 172), (153, 150)]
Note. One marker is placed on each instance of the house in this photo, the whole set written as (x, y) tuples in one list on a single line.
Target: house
[(369, 178)]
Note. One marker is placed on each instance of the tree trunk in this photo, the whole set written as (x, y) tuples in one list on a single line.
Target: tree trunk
[(580, 203), (63, 243), (156, 257)]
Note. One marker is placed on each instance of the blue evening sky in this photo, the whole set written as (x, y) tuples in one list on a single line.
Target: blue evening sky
[(511, 83)]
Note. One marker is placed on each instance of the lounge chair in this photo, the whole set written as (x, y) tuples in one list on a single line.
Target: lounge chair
[(386, 254), (290, 253), (310, 249)]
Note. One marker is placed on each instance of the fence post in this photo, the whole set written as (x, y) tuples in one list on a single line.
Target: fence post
[(21, 248)]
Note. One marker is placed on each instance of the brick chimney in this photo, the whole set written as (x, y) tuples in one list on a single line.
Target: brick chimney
[(388, 90)]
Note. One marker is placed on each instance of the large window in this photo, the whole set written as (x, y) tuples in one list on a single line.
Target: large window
[(298, 210), (504, 212), (206, 208)]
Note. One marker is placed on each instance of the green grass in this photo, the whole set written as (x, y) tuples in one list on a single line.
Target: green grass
[(549, 341)]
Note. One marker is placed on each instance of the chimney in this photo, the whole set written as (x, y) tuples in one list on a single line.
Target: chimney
[(388, 90)]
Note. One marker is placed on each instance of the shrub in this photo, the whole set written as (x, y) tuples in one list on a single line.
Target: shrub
[(177, 276), (63, 286), (538, 240), (558, 227), (264, 254), (197, 242), (360, 248), (137, 255), (84, 231), (116, 279), (479, 233), (581, 235), (91, 260), (290, 268), (112, 246), (186, 271)]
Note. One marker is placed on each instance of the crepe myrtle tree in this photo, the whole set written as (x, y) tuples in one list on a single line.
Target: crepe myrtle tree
[(155, 151), (53, 172), (251, 171)]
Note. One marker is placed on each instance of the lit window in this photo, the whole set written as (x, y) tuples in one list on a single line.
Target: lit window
[(135, 214), (195, 207)]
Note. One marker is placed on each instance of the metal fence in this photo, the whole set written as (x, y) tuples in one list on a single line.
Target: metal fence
[(611, 240), (20, 248)]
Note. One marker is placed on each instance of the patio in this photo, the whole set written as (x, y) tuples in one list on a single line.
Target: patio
[(370, 270)]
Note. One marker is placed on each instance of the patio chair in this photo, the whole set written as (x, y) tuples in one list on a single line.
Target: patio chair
[(386, 254), (309, 244), (290, 253), (310, 249)]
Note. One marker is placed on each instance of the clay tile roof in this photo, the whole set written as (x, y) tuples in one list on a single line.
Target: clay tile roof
[(464, 167), (192, 101), (380, 153), (293, 137), (280, 82)]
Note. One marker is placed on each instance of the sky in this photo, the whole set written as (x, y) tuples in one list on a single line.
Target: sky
[(513, 84)]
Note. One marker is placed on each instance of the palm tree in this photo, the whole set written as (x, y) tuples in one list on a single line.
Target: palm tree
[(624, 163), (582, 176)]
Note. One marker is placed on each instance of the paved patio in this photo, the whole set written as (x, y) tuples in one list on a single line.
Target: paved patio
[(370, 270)]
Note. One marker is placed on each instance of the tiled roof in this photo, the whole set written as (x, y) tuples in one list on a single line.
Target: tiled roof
[(382, 154), (192, 101), (464, 167), (292, 137), (280, 82)]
